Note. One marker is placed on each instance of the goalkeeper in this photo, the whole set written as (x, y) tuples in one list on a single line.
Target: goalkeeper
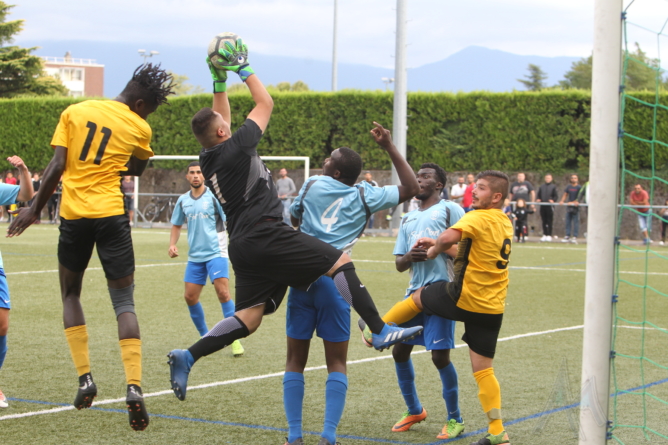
[(267, 254), (477, 294)]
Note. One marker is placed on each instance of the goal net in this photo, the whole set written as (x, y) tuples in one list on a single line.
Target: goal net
[(157, 190)]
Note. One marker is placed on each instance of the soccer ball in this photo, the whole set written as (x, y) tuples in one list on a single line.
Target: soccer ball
[(218, 42)]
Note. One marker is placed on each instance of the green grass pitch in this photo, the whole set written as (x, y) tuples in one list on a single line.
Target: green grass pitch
[(239, 401)]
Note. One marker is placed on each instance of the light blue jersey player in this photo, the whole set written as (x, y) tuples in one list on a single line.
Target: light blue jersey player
[(432, 217), (334, 209), (10, 194), (207, 254)]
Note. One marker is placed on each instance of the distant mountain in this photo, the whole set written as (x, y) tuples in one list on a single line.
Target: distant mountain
[(473, 68)]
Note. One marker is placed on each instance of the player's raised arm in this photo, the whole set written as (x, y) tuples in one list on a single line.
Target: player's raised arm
[(409, 186), (52, 174), (26, 192), (235, 58), (221, 103)]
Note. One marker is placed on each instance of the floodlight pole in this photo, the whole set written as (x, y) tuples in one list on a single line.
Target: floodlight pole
[(334, 61), (603, 183), (400, 102)]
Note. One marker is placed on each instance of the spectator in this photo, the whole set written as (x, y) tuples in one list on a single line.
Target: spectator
[(128, 188), (521, 216), (467, 199), (457, 191), (639, 197), (572, 212), (522, 189), (368, 177), (547, 193), (36, 182), (285, 187), (52, 203), (9, 179), (664, 223), (508, 209)]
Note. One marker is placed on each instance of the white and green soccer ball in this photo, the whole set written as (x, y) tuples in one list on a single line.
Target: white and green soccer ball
[(216, 43)]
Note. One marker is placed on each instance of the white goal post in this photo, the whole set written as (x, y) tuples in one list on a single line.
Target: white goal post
[(305, 159)]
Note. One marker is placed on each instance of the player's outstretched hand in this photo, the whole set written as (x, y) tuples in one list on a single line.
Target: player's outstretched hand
[(235, 58), (219, 77), (173, 251), (17, 162), (381, 135), (425, 243), (23, 218)]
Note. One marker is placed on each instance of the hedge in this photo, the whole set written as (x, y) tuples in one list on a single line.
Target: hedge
[(536, 131)]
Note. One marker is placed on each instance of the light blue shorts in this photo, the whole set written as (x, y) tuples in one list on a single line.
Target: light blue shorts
[(4, 292), (322, 309), (216, 268), (438, 333), (642, 221)]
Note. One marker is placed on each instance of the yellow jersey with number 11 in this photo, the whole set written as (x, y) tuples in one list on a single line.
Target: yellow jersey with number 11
[(481, 265), (100, 137)]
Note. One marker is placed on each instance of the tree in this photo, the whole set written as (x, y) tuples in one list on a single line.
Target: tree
[(183, 88), (642, 73), (535, 79), (579, 77), (20, 72)]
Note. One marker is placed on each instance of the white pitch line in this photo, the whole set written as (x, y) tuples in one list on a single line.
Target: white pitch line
[(180, 263), (267, 376)]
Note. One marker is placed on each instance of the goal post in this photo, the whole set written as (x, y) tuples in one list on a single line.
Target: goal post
[(136, 219), (603, 180)]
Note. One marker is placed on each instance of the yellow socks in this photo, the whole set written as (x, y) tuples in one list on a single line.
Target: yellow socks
[(131, 356), (402, 311), (77, 338), (489, 394)]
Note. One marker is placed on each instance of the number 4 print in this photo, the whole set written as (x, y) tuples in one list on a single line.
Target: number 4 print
[(328, 221), (92, 128)]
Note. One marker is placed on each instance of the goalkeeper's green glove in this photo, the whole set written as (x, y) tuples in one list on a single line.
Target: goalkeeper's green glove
[(235, 58), (219, 76)]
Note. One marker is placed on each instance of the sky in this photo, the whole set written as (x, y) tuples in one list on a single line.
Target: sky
[(366, 28)]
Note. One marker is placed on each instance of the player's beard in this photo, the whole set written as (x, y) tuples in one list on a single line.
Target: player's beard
[(197, 186)]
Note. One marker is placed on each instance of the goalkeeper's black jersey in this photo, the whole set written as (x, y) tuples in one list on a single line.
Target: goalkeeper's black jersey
[(242, 183)]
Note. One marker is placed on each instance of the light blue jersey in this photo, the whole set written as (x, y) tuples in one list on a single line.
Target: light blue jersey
[(427, 224), (335, 212), (205, 219), (8, 194)]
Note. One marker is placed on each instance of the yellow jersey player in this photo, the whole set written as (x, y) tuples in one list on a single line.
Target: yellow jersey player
[(476, 296), (94, 143)]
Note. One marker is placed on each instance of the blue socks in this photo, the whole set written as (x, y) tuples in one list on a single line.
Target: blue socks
[(293, 398), (3, 350), (197, 316), (228, 308), (450, 391), (336, 389), (406, 378)]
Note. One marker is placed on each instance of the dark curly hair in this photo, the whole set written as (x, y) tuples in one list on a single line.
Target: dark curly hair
[(150, 83)]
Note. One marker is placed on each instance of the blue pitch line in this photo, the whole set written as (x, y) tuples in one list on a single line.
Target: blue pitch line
[(352, 437)]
